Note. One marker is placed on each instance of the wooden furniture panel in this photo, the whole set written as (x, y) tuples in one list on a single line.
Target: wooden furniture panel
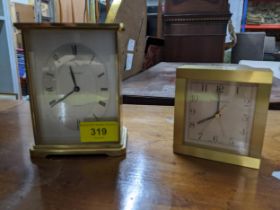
[(195, 31), (193, 49), (196, 6)]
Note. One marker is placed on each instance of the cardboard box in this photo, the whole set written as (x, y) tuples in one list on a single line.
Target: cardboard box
[(24, 13), (21, 13)]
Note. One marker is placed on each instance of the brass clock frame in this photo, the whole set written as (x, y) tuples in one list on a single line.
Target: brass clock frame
[(226, 73), (109, 148)]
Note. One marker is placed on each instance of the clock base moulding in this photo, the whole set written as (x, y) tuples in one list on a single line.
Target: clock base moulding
[(222, 157), (94, 149)]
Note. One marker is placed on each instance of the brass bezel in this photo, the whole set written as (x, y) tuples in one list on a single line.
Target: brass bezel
[(227, 73), (109, 148)]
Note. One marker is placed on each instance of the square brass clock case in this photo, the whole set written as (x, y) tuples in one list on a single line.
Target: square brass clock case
[(223, 73), (110, 148)]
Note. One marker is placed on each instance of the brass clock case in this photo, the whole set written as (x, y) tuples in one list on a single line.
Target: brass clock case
[(262, 78), (47, 146)]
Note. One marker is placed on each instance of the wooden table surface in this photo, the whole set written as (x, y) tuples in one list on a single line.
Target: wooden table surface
[(156, 86), (149, 177), (157, 81)]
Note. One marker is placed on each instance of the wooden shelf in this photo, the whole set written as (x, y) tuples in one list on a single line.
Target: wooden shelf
[(263, 26)]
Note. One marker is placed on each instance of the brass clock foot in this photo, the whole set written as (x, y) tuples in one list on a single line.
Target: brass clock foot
[(110, 149)]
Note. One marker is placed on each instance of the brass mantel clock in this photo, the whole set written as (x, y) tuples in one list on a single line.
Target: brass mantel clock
[(220, 112), (74, 88)]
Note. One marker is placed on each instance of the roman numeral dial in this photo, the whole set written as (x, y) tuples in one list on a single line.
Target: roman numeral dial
[(76, 85)]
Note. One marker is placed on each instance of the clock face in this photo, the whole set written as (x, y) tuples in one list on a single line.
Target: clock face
[(75, 85), (74, 78), (220, 115)]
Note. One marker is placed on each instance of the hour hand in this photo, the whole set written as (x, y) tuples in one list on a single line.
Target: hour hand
[(73, 76)]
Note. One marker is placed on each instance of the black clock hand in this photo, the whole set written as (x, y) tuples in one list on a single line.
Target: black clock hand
[(206, 119), (73, 76), (218, 103), (54, 102), (217, 113), (75, 89)]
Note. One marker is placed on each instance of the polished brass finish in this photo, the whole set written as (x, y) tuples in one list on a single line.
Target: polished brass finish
[(229, 73), (209, 154), (109, 148), (32, 95), (259, 123), (179, 123)]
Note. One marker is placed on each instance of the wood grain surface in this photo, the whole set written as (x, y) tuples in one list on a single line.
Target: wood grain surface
[(6, 104), (150, 176), (159, 81)]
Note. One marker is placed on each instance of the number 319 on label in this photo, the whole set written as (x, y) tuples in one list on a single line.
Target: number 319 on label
[(99, 131)]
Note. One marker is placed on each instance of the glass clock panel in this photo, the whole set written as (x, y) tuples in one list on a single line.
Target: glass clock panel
[(220, 115), (75, 79)]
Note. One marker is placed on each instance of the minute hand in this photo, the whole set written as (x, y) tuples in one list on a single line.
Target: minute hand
[(61, 99), (206, 119), (218, 103)]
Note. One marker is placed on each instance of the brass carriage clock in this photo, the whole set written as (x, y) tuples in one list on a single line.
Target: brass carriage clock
[(74, 88)]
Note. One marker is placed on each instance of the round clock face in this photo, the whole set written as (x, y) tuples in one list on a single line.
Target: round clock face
[(75, 84), (220, 115)]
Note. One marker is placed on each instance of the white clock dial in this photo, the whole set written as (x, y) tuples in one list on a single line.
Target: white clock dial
[(75, 85), (220, 115)]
